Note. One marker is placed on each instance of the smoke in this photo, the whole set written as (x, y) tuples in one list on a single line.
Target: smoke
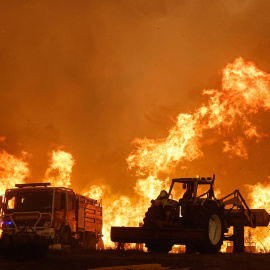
[(94, 75)]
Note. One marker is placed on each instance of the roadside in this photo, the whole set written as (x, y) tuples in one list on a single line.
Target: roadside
[(83, 260)]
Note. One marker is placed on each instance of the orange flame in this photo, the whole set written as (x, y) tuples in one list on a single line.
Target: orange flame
[(259, 196), (59, 172), (120, 212), (95, 192), (13, 170), (244, 92)]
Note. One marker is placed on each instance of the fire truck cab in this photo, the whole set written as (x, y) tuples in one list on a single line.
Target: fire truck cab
[(55, 214)]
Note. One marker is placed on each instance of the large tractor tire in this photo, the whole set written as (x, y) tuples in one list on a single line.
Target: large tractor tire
[(154, 216), (210, 218)]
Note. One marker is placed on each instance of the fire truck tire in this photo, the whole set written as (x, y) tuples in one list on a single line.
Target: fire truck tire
[(66, 236), (7, 249), (162, 247), (39, 250), (154, 216), (91, 243), (210, 218)]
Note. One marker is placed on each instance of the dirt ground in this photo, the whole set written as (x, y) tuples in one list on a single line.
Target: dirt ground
[(81, 259)]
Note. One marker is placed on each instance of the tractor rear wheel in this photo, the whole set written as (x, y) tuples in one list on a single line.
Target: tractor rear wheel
[(210, 218), (154, 216)]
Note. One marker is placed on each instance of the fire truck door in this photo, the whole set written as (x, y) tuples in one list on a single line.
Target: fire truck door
[(71, 211), (59, 208)]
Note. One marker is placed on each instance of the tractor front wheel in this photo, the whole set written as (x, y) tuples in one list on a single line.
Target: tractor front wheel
[(210, 218), (154, 216)]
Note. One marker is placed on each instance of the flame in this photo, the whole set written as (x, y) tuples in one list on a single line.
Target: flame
[(150, 188), (13, 170), (259, 195), (95, 192), (116, 212), (119, 212), (59, 172), (244, 92), (246, 86), (238, 148), (154, 156)]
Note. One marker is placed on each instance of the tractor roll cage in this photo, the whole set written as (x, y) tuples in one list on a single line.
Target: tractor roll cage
[(197, 181)]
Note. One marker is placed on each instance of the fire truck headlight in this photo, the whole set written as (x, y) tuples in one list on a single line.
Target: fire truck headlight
[(7, 224)]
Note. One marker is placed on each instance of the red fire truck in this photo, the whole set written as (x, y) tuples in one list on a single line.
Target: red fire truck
[(37, 213)]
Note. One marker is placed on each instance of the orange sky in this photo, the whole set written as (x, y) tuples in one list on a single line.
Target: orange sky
[(93, 75)]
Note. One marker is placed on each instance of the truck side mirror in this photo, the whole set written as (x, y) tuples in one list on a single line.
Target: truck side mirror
[(184, 186)]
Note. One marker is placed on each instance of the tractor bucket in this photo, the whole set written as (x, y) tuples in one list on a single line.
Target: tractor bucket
[(262, 217), (240, 217)]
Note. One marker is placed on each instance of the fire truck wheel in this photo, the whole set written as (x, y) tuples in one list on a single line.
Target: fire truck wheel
[(7, 249), (66, 236), (91, 243), (154, 216), (159, 247), (210, 218)]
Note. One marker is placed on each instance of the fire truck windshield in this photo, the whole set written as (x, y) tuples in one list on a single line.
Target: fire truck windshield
[(25, 201)]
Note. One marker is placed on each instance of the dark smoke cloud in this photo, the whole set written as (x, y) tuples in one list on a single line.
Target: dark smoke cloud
[(93, 75)]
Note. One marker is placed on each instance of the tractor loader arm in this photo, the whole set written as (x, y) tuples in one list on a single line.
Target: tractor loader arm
[(236, 200)]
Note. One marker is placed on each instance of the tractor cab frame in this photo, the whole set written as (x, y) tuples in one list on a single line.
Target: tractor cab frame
[(192, 184)]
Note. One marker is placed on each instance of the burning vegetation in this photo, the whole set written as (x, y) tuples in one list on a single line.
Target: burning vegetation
[(13, 170), (244, 92), (259, 196)]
